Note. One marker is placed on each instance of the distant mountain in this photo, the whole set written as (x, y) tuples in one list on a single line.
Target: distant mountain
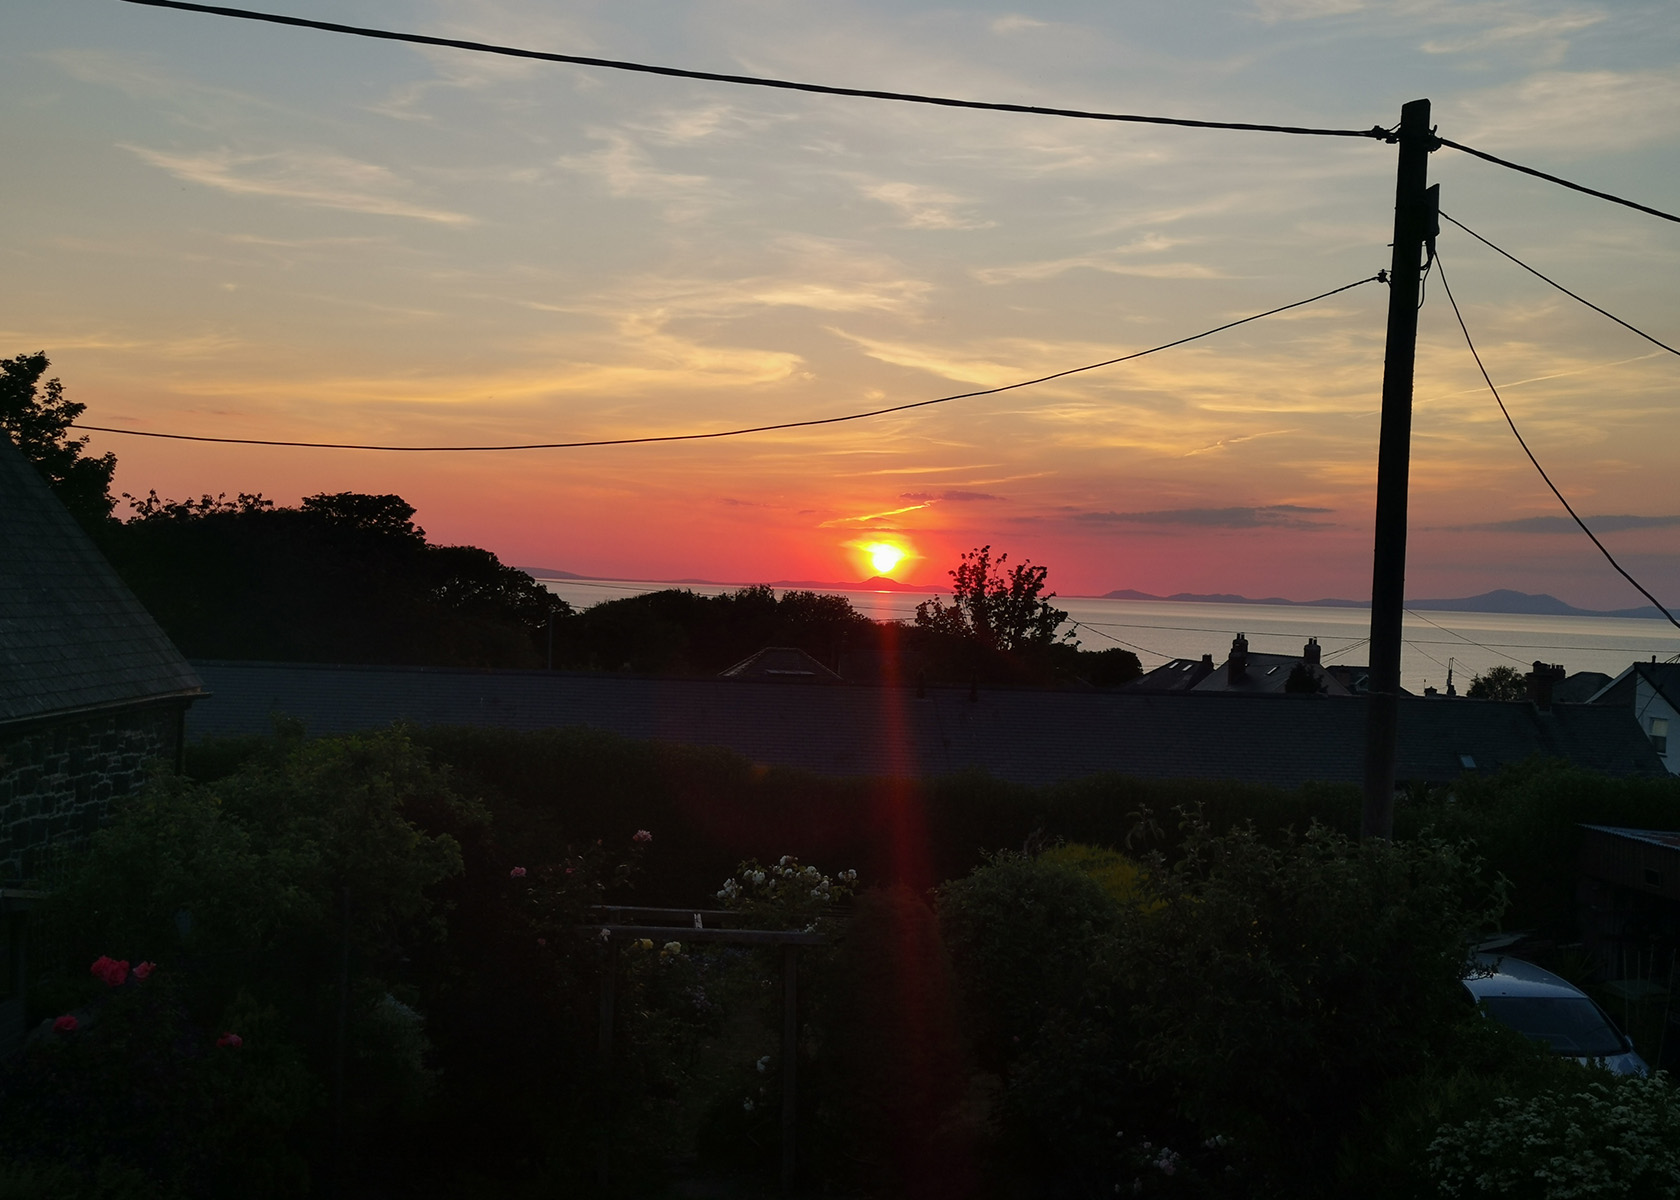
[(1501, 600), (549, 573), (1506, 601)]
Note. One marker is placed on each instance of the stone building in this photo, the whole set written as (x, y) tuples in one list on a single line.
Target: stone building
[(91, 694)]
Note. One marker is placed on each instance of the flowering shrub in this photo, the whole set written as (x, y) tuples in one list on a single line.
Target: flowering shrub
[(109, 971), (1611, 1137), (784, 892)]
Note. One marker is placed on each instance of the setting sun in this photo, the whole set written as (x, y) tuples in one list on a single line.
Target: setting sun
[(884, 557)]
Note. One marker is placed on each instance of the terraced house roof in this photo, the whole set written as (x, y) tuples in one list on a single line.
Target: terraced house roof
[(72, 636)]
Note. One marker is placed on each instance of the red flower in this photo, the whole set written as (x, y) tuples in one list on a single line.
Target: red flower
[(542, 941), (231, 1041), (517, 873), (66, 1024), (144, 970), (642, 836), (109, 971)]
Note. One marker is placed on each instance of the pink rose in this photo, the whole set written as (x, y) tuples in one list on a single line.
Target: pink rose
[(517, 873), (642, 836), (230, 1041), (144, 971), (109, 971), (66, 1024)]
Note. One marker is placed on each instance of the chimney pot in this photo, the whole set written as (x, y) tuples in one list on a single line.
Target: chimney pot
[(1541, 680), (1239, 660), (1310, 652)]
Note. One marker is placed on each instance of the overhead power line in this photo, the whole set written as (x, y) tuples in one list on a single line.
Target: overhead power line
[(724, 433), (1608, 557), (420, 39), (1559, 286), (1482, 154)]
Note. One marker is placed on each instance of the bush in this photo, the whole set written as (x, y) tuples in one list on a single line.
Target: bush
[(1526, 822), (1607, 1136), (283, 903), (1275, 989)]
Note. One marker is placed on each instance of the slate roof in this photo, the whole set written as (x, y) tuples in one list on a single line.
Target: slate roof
[(1266, 673), (1024, 735), (781, 664), (72, 636)]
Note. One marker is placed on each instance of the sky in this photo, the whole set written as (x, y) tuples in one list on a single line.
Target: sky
[(229, 229)]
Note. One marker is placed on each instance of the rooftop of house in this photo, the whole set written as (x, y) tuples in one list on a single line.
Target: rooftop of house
[(1246, 671), (781, 664), (1663, 678), (72, 636), (1026, 735)]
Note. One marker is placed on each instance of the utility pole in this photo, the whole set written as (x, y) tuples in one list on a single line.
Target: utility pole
[(1415, 210)]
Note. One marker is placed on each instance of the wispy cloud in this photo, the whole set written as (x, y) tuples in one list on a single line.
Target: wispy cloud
[(311, 177), (922, 207), (626, 169), (1275, 516), (1571, 110), (1226, 443), (949, 497), (1600, 524), (870, 519)]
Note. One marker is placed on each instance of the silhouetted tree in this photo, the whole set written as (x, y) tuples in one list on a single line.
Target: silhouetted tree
[(1303, 681), (1000, 611), (1498, 683), (346, 577), (37, 416)]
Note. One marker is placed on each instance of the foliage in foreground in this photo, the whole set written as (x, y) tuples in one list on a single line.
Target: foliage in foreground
[(1234, 1009), (1604, 1136)]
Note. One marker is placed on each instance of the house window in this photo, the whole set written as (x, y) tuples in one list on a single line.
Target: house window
[(1659, 734)]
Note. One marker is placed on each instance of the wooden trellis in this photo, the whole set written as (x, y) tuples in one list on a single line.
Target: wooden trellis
[(622, 923)]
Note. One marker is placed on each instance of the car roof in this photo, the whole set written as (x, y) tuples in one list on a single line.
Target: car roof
[(1500, 975)]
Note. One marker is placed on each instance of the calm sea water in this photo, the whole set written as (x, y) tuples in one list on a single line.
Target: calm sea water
[(1160, 630)]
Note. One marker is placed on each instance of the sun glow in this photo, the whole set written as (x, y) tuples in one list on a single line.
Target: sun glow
[(884, 557)]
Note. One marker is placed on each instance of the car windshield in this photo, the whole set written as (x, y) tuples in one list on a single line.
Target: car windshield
[(1570, 1025)]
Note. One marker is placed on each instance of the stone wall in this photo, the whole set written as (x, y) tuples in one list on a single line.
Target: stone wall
[(57, 779)]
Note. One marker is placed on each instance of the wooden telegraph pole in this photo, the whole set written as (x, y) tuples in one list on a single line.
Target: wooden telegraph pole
[(1415, 209)]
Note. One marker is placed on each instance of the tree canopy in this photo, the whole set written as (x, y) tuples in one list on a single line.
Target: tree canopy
[(38, 417), (344, 577), (1498, 683), (1001, 610)]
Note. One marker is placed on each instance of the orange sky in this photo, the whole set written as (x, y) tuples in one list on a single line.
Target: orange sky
[(249, 232)]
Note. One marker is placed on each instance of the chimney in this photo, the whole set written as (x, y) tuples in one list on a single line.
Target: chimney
[(1309, 652), (1541, 680), (1238, 661)]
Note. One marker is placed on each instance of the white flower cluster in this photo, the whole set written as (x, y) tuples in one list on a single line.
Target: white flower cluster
[(784, 881), (1612, 1137)]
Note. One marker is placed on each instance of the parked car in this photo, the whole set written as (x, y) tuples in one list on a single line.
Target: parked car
[(1550, 1009)]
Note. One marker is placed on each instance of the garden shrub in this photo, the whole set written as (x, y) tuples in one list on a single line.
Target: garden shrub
[(288, 898), (1526, 822), (1603, 1136), (1275, 988)]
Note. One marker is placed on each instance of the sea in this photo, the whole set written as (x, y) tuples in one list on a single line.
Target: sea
[(1159, 630)]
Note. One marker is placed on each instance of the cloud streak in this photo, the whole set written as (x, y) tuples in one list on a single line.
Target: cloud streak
[(318, 178), (1267, 516), (1602, 524)]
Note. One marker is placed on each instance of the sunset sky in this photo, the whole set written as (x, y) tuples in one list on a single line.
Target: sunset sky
[(223, 228)]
